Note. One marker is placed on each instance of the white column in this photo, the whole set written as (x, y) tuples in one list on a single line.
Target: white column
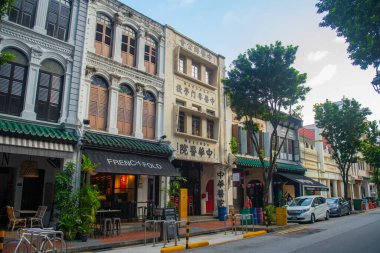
[(112, 106), (138, 113), (367, 190), (160, 115), (360, 190), (140, 50), (41, 15), (342, 189), (117, 42), (161, 58), (270, 199), (32, 84), (335, 187), (66, 93), (73, 23), (352, 190), (91, 26), (85, 98)]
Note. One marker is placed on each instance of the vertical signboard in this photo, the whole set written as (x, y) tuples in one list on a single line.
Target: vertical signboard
[(183, 203)]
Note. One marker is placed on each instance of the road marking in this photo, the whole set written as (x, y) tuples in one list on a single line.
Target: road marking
[(291, 230)]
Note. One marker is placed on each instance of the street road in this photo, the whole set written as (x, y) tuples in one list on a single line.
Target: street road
[(349, 234)]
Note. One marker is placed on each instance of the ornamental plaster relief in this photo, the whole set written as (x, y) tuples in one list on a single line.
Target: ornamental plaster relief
[(195, 92), (110, 66), (33, 38)]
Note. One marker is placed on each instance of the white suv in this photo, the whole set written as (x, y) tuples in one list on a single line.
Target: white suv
[(308, 208)]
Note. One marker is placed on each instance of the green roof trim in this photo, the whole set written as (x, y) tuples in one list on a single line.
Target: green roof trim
[(125, 144), (255, 163), (29, 130)]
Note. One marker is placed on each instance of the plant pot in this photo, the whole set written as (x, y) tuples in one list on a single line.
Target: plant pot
[(84, 237)]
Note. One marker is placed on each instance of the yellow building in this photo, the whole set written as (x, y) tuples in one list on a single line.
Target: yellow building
[(194, 119)]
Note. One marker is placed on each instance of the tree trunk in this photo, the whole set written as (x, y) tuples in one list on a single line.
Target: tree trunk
[(345, 184), (266, 195)]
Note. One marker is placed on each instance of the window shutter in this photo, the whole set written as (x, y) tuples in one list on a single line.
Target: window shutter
[(125, 114), (243, 140), (296, 151), (102, 108), (235, 131), (93, 107)]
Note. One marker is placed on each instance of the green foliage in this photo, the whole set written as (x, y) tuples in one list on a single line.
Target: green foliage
[(87, 165), (234, 145), (370, 148), (271, 210), (342, 126), (66, 201), (175, 186), (263, 84), (358, 22), (76, 209), (5, 6), (89, 203)]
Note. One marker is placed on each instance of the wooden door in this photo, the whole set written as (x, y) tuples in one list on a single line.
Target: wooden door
[(125, 114), (149, 119), (210, 200), (97, 113)]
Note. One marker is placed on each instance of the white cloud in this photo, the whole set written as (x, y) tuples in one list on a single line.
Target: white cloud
[(317, 56), (230, 17), (339, 40), (326, 74), (182, 2)]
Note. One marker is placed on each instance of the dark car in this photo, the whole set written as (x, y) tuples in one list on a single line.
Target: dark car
[(338, 206)]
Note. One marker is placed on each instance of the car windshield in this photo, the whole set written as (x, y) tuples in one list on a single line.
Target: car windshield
[(301, 202), (332, 201)]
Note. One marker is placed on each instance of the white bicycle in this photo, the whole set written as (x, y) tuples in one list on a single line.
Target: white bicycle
[(37, 240)]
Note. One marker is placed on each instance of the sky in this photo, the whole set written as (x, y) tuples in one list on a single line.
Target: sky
[(230, 27)]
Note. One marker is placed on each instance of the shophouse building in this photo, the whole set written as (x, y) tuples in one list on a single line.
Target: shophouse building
[(195, 119), (317, 159), (39, 94), (289, 178), (122, 108)]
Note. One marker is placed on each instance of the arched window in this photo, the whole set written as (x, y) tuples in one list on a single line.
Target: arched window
[(128, 46), (13, 83), (125, 110), (150, 56), (149, 115), (103, 35), (97, 112), (23, 12), (49, 93), (58, 18)]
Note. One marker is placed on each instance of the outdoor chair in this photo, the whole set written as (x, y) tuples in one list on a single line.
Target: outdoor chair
[(13, 221), (36, 221)]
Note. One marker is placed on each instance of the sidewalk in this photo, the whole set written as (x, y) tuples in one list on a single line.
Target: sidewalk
[(215, 228)]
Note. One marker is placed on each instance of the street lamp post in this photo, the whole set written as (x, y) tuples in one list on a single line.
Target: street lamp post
[(376, 81)]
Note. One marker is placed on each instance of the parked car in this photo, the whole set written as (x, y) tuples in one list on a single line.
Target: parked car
[(338, 206), (308, 208)]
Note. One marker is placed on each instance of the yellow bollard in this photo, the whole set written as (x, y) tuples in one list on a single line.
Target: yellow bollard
[(198, 244), (187, 232)]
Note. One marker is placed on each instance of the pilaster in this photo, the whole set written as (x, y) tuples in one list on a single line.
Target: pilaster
[(41, 15), (117, 40), (66, 94), (138, 113), (161, 58), (112, 108), (32, 84), (160, 115), (73, 23), (141, 50)]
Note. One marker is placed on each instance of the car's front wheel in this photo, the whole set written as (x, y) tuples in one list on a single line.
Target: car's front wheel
[(327, 215), (312, 218)]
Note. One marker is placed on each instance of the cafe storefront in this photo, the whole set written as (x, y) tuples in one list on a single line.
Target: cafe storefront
[(132, 174)]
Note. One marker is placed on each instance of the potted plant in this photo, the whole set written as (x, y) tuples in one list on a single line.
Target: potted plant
[(174, 189), (88, 200)]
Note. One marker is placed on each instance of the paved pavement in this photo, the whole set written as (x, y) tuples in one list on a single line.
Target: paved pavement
[(349, 234)]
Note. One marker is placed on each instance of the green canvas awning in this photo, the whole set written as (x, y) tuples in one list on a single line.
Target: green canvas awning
[(255, 163)]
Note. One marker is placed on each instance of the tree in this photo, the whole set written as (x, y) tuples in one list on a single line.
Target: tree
[(5, 5), (263, 84), (358, 22), (371, 150), (342, 126)]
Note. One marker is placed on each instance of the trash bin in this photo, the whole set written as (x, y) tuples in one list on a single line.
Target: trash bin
[(222, 211), (358, 204), (247, 221)]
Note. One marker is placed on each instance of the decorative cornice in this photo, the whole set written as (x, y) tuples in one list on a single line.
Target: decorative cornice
[(110, 66), (90, 70), (27, 35)]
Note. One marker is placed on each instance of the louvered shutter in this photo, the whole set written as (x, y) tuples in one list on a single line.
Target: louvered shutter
[(97, 113), (150, 119), (125, 114)]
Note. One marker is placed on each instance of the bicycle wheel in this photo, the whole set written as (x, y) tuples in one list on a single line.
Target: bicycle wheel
[(51, 245), (15, 246)]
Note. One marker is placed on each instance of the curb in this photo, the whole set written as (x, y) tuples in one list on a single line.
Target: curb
[(172, 249), (252, 234), (198, 244)]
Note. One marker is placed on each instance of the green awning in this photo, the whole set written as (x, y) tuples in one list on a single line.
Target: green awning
[(37, 131), (255, 163), (125, 144)]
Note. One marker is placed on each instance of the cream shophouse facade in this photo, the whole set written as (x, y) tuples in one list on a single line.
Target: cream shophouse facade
[(122, 104), (195, 119)]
